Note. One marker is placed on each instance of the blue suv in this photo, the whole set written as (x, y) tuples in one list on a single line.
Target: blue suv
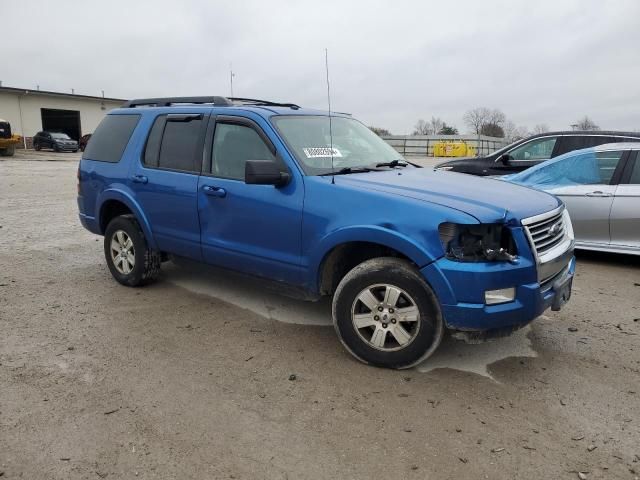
[(321, 205)]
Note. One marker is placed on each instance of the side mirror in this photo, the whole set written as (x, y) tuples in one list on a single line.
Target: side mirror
[(264, 172), (505, 158)]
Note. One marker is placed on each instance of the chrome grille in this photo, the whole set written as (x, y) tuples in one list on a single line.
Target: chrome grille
[(547, 232)]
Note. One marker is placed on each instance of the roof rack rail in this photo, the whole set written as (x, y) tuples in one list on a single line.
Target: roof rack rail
[(168, 101), (265, 103)]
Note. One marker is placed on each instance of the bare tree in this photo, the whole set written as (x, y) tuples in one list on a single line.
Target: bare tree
[(492, 130), (421, 128), (435, 125), (497, 117), (476, 118), (485, 121), (585, 123), (381, 132), (540, 128), (513, 132)]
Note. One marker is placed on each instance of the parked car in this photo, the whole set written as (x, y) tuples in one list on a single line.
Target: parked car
[(83, 141), (531, 151), (56, 141), (601, 188), (321, 206)]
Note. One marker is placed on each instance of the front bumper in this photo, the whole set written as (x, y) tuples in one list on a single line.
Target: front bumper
[(460, 289), (67, 148)]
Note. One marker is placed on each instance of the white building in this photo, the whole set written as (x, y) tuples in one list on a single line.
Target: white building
[(30, 111)]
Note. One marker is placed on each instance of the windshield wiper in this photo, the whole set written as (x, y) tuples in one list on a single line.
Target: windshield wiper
[(347, 170), (393, 163)]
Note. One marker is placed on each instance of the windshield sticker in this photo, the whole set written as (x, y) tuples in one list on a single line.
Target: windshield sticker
[(321, 152)]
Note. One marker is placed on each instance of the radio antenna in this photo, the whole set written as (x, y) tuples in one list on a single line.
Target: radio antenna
[(326, 66)]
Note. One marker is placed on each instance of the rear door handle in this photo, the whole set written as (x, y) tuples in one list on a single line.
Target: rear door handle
[(598, 193), (139, 179), (214, 191)]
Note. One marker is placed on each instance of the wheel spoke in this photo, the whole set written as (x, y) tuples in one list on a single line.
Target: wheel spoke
[(120, 236), (128, 243), (391, 296), (115, 246), (407, 314), (125, 266), (131, 259), (378, 338), (363, 320), (369, 300), (400, 334)]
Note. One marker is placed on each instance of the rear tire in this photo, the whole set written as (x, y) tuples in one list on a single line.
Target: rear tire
[(386, 315), (8, 152), (37, 147), (129, 258)]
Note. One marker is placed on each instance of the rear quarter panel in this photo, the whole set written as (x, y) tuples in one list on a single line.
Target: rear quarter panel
[(102, 181)]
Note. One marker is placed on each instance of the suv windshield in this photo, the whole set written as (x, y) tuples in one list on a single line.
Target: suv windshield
[(62, 136), (354, 145)]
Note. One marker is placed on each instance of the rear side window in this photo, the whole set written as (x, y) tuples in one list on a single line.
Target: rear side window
[(153, 142), (607, 164), (108, 142), (569, 143), (635, 173), (175, 142)]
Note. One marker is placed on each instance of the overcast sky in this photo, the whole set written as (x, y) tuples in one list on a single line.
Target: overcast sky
[(391, 62)]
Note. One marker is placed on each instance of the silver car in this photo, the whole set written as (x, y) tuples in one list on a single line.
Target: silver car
[(601, 188)]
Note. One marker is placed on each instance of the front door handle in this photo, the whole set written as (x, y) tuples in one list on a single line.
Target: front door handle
[(214, 191), (598, 193), (139, 179)]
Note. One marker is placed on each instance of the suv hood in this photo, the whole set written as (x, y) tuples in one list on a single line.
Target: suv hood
[(486, 199)]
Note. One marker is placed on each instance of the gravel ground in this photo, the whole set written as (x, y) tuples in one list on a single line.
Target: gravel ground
[(205, 375)]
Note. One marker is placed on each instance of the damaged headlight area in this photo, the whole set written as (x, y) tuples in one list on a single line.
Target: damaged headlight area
[(478, 243)]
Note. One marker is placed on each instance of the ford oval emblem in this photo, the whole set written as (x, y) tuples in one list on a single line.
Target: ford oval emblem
[(555, 229)]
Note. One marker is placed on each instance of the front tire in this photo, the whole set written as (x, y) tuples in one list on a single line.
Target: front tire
[(386, 315), (129, 258), (37, 147)]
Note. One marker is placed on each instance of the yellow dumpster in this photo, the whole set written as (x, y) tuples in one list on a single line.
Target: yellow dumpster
[(453, 148)]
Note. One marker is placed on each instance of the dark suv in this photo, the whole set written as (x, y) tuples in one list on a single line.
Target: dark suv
[(57, 141), (321, 206), (530, 151)]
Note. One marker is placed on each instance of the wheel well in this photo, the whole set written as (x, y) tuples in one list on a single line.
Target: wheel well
[(339, 261), (110, 210)]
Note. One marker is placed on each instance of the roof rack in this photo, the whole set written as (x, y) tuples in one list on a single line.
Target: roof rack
[(216, 100), (168, 101), (264, 103)]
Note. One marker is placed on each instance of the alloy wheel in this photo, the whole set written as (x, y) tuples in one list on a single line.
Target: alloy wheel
[(122, 252), (386, 317)]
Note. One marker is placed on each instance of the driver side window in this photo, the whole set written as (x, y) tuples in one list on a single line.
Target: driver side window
[(535, 150), (233, 145)]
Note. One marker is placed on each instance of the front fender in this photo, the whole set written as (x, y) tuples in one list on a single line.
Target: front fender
[(123, 194), (420, 255)]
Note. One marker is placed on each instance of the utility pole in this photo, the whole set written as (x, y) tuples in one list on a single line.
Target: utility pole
[(231, 75)]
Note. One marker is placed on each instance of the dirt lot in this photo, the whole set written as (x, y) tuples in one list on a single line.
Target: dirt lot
[(191, 378)]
